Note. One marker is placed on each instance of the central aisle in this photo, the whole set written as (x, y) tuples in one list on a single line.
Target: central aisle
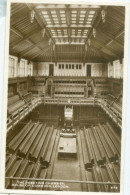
[(67, 169)]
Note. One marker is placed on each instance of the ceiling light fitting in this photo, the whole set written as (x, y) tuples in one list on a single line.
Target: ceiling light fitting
[(43, 32), (103, 14), (53, 47), (32, 15), (86, 47), (94, 32), (50, 41), (89, 42)]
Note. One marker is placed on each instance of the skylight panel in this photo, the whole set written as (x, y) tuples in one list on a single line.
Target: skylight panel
[(82, 15), (74, 11), (48, 22), (62, 11), (53, 12), (44, 12), (91, 12), (63, 19), (89, 19), (81, 19), (90, 16), (83, 12), (73, 15), (56, 22), (54, 15), (62, 15), (88, 22), (46, 16), (47, 19)]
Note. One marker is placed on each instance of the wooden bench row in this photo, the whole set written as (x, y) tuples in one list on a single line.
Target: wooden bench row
[(99, 146)]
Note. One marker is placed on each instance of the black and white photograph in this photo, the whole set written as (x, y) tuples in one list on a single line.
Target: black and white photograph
[(65, 97)]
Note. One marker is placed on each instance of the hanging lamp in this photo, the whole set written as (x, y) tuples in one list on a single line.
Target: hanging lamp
[(32, 16)]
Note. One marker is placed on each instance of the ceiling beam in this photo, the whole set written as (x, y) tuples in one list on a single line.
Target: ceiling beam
[(119, 33), (111, 37), (24, 38), (66, 52), (103, 46), (68, 16), (76, 43), (79, 37), (17, 32), (101, 53), (34, 45), (41, 52), (38, 19), (54, 53), (95, 25), (45, 42), (116, 17), (18, 17), (71, 26), (64, 6), (78, 60)]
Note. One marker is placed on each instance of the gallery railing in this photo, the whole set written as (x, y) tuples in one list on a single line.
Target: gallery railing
[(113, 114)]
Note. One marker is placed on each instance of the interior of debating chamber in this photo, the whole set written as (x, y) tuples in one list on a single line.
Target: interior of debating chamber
[(65, 91)]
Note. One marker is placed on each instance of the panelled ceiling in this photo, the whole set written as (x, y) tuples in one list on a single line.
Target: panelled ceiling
[(67, 33)]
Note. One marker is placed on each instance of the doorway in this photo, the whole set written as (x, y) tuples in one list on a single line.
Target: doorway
[(88, 70), (51, 69)]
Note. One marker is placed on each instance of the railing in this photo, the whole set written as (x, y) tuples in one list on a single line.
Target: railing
[(30, 182), (75, 101), (113, 114), (21, 113)]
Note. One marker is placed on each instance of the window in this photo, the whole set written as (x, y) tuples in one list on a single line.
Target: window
[(76, 66), (11, 67), (72, 66), (69, 66), (59, 66), (79, 66), (62, 66), (22, 68), (66, 66), (29, 69)]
